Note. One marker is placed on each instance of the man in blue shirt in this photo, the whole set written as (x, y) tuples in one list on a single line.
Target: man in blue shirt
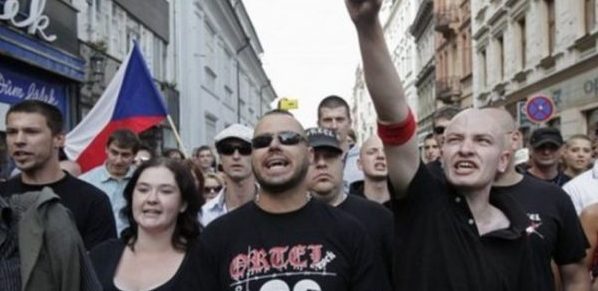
[(115, 173)]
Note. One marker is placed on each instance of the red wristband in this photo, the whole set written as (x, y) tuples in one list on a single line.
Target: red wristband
[(398, 133)]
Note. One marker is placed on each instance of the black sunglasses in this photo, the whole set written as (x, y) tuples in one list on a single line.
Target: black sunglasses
[(229, 149), (284, 137), (439, 129), (208, 189)]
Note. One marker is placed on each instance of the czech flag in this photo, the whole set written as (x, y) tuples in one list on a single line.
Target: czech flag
[(131, 101)]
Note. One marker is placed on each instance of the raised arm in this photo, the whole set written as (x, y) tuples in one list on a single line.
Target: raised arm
[(387, 94)]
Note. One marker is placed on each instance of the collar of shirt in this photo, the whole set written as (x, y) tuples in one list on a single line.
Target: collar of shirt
[(595, 169), (105, 175), (518, 220), (216, 203)]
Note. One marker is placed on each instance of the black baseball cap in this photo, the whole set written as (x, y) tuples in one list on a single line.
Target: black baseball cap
[(546, 135), (323, 137)]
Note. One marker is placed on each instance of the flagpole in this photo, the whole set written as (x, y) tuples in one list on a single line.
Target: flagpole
[(177, 136)]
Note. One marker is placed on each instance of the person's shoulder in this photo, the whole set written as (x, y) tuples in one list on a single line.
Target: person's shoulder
[(581, 181), (83, 186), (92, 174), (232, 219), (332, 216), (368, 206), (11, 186), (545, 189)]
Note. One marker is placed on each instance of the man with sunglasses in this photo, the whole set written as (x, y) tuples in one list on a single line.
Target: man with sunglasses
[(285, 240), (325, 181), (233, 145), (450, 234)]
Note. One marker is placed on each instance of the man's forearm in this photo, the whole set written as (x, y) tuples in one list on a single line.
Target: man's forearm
[(383, 82)]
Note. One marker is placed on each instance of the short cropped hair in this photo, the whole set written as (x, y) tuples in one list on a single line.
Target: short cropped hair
[(124, 138), (333, 101), (50, 112)]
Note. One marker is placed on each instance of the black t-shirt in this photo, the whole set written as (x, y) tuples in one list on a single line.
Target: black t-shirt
[(89, 205), (438, 246), (560, 179), (106, 256), (378, 223), (316, 247), (556, 232)]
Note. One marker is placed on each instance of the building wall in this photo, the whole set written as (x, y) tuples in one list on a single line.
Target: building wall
[(514, 61), (220, 74), (423, 30), (453, 52)]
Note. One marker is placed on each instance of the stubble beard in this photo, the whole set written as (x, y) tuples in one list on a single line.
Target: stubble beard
[(275, 188)]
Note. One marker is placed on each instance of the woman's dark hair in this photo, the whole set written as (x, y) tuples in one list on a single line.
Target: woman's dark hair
[(196, 171), (187, 227)]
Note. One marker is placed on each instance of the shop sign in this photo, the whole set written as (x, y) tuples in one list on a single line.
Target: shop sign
[(35, 21), (15, 87)]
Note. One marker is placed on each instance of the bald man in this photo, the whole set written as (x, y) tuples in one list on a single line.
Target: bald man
[(372, 162), (556, 232)]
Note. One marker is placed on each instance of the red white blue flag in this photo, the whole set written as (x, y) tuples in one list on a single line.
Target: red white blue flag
[(131, 101)]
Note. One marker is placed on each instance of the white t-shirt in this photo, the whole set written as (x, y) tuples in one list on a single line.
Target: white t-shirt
[(583, 189)]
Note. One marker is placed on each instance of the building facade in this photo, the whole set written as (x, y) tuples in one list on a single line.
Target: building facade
[(524, 49), (397, 17), (453, 53), (39, 59), (219, 72), (423, 31)]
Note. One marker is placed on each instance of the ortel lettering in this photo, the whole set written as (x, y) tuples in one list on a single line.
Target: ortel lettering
[(35, 21)]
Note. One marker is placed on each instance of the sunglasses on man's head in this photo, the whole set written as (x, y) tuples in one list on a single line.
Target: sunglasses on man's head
[(229, 149), (284, 137), (439, 129)]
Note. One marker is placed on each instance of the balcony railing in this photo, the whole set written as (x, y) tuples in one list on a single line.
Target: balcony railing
[(448, 89), (446, 20)]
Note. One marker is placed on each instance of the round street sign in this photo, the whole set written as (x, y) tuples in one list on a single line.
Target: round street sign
[(539, 108)]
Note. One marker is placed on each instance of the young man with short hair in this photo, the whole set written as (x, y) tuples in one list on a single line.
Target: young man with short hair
[(334, 113), (112, 176), (325, 179), (577, 155), (372, 161), (431, 149), (34, 136), (234, 148), (204, 158)]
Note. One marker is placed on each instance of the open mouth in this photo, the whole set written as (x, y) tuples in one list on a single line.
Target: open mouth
[(465, 166), (276, 164), (380, 166)]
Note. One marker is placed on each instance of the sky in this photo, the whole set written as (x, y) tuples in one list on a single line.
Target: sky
[(310, 50)]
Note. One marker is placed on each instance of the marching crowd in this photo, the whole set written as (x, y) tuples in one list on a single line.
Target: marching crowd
[(281, 207)]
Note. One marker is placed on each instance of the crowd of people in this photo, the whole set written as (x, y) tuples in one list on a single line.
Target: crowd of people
[(474, 205)]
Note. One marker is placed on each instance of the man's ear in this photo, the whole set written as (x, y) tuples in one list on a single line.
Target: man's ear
[(59, 140), (503, 161), (359, 164)]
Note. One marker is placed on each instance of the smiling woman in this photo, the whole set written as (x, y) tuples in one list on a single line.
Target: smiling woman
[(161, 208)]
